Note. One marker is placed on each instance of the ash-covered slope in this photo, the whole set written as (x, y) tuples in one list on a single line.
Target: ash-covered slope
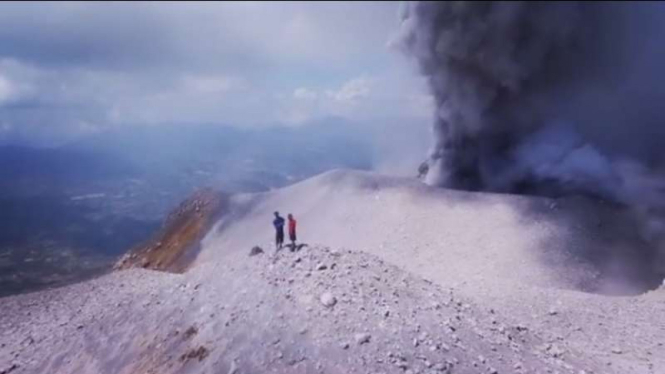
[(404, 278), (489, 239), (538, 261)]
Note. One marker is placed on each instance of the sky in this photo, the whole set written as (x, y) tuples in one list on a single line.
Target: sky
[(71, 69)]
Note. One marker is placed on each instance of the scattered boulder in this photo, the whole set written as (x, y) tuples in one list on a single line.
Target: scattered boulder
[(440, 367), (554, 350), (234, 368), (10, 369), (256, 250), (321, 266), (402, 364), (199, 353), (362, 338), (191, 331), (328, 299)]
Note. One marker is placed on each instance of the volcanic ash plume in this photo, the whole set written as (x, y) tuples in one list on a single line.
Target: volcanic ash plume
[(545, 97)]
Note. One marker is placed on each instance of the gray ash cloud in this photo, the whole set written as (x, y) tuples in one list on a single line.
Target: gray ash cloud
[(546, 98)]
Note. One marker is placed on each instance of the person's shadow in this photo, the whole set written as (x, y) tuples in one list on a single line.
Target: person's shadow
[(296, 247)]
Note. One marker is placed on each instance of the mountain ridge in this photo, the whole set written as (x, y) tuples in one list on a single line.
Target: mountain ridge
[(383, 286)]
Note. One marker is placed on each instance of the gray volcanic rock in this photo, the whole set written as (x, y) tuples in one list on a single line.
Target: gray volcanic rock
[(256, 250), (328, 299), (254, 316)]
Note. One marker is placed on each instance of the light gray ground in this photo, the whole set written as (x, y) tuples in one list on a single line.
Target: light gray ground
[(418, 280)]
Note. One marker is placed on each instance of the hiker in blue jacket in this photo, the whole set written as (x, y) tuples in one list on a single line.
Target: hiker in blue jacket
[(279, 230)]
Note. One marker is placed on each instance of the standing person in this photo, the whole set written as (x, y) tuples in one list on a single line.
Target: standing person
[(278, 222), (292, 232)]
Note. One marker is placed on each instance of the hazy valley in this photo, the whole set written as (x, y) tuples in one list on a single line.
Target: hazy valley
[(68, 213)]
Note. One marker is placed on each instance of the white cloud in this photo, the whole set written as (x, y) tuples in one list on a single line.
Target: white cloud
[(6, 89), (386, 98), (352, 91), (212, 84), (242, 64), (303, 93), (17, 81), (296, 116), (5, 126), (307, 104)]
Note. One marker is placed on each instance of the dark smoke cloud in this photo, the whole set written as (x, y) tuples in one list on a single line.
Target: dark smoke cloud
[(546, 98)]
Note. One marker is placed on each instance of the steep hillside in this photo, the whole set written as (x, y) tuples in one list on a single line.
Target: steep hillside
[(176, 245)]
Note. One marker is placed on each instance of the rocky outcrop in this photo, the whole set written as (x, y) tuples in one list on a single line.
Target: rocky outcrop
[(256, 250), (176, 244)]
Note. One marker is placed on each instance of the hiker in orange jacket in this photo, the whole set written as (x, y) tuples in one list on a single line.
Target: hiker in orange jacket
[(292, 231)]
